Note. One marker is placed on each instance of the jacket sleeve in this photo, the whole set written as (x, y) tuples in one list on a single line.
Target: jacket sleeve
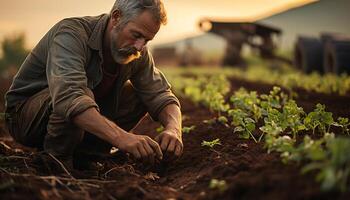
[(151, 86), (66, 73)]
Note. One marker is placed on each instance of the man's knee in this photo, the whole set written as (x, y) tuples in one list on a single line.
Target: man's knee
[(62, 136), (28, 119)]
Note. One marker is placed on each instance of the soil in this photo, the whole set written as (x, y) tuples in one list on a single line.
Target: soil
[(249, 171)]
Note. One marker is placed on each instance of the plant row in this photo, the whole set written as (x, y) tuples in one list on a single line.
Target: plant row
[(303, 138), (285, 77)]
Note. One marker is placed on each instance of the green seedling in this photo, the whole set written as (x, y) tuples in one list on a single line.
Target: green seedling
[(220, 185), (187, 129), (211, 144), (334, 169), (223, 120), (248, 102), (244, 125), (210, 121), (344, 124), (319, 118), (291, 115)]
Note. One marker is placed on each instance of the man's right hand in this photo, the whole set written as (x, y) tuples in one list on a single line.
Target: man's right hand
[(140, 146)]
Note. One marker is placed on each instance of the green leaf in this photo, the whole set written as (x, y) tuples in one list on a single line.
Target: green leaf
[(312, 166), (238, 129), (250, 127), (328, 178), (186, 129), (212, 143), (218, 184), (222, 119)]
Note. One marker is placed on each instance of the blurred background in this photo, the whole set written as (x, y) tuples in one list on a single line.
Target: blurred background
[(309, 35)]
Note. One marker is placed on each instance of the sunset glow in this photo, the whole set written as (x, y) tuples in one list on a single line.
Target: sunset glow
[(35, 18)]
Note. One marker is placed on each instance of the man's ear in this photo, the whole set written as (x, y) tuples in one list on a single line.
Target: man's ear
[(116, 15)]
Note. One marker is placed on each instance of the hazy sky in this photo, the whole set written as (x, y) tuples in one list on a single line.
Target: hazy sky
[(35, 17)]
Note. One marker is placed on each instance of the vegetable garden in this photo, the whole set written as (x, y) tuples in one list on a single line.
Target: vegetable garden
[(248, 134)]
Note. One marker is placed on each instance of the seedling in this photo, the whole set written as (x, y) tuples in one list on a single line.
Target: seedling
[(344, 124), (187, 129), (210, 121), (248, 102), (223, 120), (211, 144), (319, 118), (218, 184), (244, 124), (292, 117), (334, 169)]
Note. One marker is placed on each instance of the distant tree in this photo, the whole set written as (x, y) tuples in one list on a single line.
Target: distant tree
[(13, 51)]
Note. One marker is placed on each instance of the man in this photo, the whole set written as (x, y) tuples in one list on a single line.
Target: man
[(89, 81)]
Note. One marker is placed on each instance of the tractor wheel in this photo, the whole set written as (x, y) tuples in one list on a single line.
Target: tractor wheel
[(337, 56), (308, 54)]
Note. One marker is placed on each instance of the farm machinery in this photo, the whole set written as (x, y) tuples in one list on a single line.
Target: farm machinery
[(328, 54)]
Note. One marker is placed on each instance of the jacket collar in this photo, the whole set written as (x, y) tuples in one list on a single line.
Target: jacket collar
[(96, 38)]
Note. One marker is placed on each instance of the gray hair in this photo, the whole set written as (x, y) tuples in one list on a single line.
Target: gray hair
[(132, 8)]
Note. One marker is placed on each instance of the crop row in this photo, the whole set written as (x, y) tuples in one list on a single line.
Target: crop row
[(303, 138), (285, 77)]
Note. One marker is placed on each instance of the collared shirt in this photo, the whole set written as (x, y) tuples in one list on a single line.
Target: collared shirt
[(68, 60)]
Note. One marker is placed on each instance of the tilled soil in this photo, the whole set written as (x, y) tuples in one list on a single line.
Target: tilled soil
[(250, 173)]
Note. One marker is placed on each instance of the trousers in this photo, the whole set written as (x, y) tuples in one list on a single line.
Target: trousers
[(32, 123)]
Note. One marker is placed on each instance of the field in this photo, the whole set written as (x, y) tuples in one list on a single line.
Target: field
[(220, 161)]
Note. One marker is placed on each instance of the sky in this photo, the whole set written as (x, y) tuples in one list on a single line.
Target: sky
[(36, 17)]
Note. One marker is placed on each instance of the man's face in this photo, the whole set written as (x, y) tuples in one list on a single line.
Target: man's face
[(127, 41)]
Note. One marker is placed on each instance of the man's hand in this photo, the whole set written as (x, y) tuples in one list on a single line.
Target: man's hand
[(140, 146), (171, 144)]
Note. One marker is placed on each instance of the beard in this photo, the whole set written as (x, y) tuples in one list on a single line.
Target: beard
[(122, 55)]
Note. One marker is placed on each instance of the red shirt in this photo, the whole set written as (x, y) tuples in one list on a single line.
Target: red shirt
[(106, 84)]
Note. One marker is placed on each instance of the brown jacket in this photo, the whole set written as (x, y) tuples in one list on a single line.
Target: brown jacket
[(67, 60)]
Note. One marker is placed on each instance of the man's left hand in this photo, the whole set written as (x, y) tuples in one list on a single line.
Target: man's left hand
[(170, 141)]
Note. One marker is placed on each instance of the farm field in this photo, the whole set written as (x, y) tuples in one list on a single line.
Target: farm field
[(220, 161)]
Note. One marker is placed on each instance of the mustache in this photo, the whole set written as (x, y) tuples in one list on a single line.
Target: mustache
[(128, 51)]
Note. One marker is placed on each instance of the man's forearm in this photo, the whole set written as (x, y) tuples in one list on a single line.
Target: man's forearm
[(170, 117), (92, 121), (139, 146)]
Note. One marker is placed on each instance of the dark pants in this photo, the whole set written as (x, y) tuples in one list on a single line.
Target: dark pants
[(33, 124)]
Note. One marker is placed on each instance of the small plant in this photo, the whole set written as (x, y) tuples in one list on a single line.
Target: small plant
[(344, 124), (211, 144), (275, 99), (209, 121), (334, 169), (187, 129), (223, 120), (244, 125), (319, 118), (220, 185), (292, 117), (248, 102)]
